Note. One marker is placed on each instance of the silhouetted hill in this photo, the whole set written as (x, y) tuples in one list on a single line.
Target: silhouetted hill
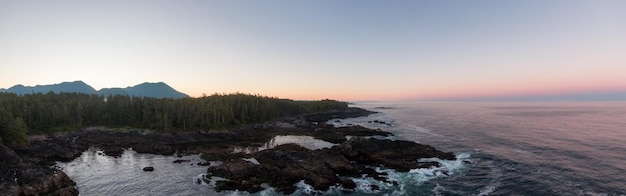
[(157, 90), (70, 87), (112, 91)]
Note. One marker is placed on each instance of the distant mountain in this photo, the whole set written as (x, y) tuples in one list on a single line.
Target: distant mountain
[(112, 91), (157, 90), (70, 87)]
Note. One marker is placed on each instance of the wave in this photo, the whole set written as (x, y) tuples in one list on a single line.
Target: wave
[(372, 121), (396, 183)]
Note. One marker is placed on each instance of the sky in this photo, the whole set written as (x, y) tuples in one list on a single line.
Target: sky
[(308, 50)]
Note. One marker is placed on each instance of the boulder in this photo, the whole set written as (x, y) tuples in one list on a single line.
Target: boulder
[(114, 151), (348, 183), (181, 161), (399, 155), (8, 157), (38, 181)]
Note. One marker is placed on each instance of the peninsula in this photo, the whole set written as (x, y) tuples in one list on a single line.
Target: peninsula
[(211, 126)]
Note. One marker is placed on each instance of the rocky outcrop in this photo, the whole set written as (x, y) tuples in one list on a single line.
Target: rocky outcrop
[(40, 181), (8, 158), (27, 171), (347, 113), (285, 165), (280, 167), (29, 178), (399, 155)]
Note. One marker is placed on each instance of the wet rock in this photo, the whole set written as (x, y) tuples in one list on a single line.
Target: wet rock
[(181, 161), (280, 167), (338, 135), (285, 165), (339, 164), (348, 183), (399, 155), (8, 157), (347, 113), (114, 151), (358, 130), (40, 181), (148, 147)]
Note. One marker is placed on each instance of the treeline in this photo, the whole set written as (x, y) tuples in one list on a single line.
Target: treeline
[(48, 113)]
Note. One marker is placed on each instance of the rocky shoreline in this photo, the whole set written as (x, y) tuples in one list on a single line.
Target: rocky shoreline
[(30, 171)]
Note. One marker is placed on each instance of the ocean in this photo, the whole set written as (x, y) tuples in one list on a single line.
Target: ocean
[(504, 148)]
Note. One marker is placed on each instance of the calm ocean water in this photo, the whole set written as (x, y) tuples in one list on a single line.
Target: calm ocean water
[(521, 148), (508, 149)]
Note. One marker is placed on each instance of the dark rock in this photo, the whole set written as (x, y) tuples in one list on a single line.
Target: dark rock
[(280, 167), (8, 157), (358, 130), (428, 164), (338, 135), (347, 113), (399, 155), (285, 165), (339, 164), (114, 151), (151, 148), (181, 161), (370, 172), (348, 183), (42, 181)]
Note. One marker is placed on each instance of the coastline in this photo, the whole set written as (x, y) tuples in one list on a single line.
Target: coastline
[(30, 172)]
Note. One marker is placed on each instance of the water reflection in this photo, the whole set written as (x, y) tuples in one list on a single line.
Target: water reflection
[(304, 141), (98, 174)]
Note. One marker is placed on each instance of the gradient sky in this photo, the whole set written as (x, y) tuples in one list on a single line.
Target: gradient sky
[(347, 50)]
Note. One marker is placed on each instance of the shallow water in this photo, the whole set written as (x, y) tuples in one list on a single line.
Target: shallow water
[(98, 174)]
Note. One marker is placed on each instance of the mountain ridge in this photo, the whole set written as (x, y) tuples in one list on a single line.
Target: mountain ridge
[(146, 89)]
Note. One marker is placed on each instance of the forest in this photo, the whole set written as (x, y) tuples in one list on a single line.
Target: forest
[(39, 113)]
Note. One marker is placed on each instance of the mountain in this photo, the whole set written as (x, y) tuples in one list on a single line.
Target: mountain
[(70, 87), (112, 91), (157, 90)]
